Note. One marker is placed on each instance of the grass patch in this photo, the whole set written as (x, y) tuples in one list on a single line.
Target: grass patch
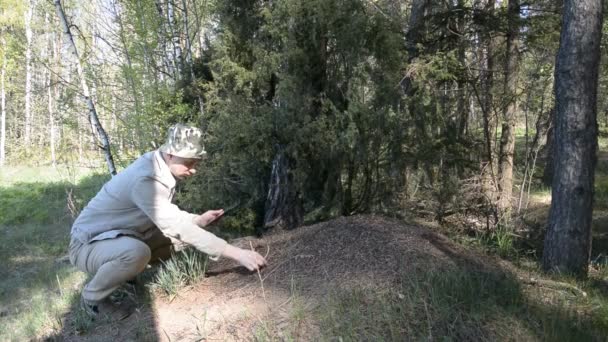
[(182, 269), (37, 285), (457, 305)]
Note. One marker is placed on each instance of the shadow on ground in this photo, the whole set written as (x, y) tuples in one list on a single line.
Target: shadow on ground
[(37, 283)]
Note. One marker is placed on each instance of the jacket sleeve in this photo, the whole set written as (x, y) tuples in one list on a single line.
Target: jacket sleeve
[(152, 197)]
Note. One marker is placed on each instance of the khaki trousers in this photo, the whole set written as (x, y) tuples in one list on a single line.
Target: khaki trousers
[(114, 261)]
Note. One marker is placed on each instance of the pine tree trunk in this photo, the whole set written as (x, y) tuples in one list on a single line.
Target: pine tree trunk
[(568, 240), (94, 119), (489, 160), (28, 74), (507, 141), (283, 204)]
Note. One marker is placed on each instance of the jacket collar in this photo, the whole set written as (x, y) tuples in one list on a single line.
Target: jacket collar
[(164, 173)]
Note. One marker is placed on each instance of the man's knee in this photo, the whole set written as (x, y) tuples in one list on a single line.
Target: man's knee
[(136, 255)]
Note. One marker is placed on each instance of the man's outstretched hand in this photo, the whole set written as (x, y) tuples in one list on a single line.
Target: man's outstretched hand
[(208, 217), (250, 259)]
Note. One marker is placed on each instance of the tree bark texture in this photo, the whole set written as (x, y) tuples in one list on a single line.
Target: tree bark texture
[(94, 119), (490, 161), (283, 206), (568, 239), (507, 141)]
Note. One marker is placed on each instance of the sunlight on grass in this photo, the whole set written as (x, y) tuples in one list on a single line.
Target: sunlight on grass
[(602, 141), (42, 309), (44, 174), (540, 196), (38, 286)]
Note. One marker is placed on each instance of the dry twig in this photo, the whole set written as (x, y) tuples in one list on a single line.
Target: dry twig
[(259, 274)]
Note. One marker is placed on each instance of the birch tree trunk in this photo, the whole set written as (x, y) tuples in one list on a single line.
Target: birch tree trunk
[(51, 120), (51, 108), (28, 74), (567, 246), (189, 59), (167, 57), (51, 80), (105, 143), (177, 49), (3, 104), (507, 141)]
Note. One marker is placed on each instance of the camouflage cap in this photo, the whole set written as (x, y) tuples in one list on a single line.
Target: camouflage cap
[(184, 141)]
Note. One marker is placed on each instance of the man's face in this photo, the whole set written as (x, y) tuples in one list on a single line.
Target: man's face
[(182, 167)]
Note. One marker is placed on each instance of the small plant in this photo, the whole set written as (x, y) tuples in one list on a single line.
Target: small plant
[(180, 270), (503, 240)]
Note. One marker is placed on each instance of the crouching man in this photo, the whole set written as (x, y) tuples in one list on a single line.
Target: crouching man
[(131, 221)]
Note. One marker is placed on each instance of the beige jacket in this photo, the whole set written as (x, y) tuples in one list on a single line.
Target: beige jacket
[(136, 200)]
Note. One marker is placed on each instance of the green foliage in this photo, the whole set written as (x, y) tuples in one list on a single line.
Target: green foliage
[(601, 191), (296, 74)]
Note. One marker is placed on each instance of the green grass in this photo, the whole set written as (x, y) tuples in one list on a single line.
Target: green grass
[(184, 268), (37, 284), (450, 304), (455, 305)]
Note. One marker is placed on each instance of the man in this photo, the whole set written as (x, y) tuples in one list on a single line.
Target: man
[(131, 221)]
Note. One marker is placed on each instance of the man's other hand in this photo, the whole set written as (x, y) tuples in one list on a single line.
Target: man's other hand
[(208, 217)]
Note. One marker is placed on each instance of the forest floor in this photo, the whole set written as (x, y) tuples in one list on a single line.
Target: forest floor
[(363, 277)]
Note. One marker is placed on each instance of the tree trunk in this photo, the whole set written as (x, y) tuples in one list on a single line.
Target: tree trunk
[(507, 141), (52, 80), (177, 48), (283, 205), (3, 104), (51, 119), (489, 181), (190, 66), (28, 74), (105, 142), (568, 239)]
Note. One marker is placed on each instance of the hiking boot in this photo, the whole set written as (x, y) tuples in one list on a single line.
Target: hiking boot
[(106, 308)]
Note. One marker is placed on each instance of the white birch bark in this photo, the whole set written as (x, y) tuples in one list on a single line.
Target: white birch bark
[(201, 104), (177, 49), (51, 120), (28, 73), (3, 104), (94, 119)]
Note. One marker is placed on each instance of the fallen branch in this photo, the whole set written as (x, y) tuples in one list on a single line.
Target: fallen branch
[(553, 285)]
